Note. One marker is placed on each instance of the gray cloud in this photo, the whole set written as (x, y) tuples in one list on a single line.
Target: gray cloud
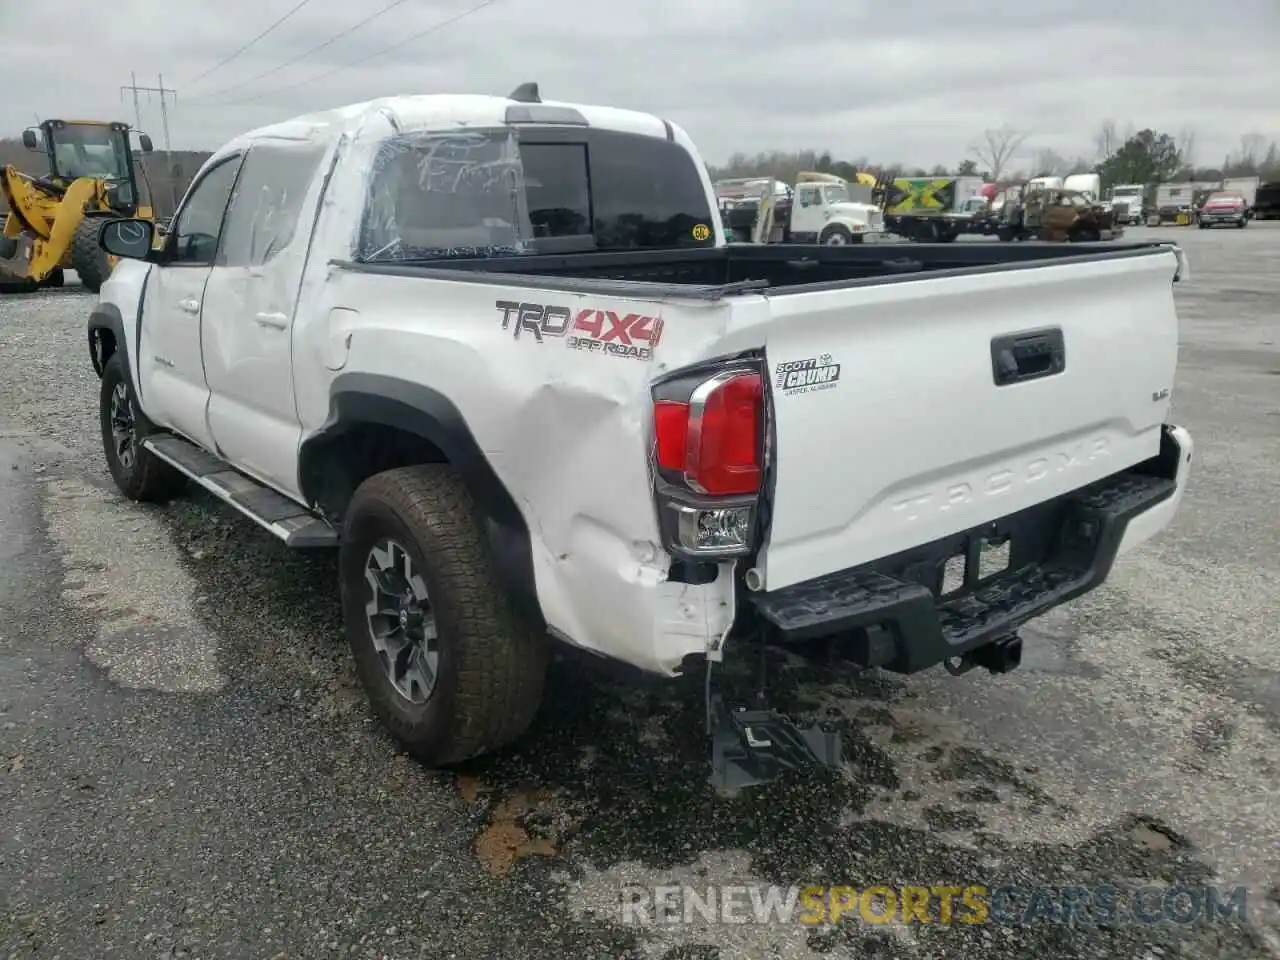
[(912, 80)]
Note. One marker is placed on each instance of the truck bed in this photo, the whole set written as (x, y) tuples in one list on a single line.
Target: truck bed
[(753, 268)]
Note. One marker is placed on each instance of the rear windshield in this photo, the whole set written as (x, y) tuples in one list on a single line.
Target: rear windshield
[(507, 193)]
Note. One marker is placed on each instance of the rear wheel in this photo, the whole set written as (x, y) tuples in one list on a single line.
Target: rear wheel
[(88, 260), (449, 666), (139, 473)]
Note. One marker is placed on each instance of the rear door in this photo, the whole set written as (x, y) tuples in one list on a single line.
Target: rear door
[(249, 309), (907, 411)]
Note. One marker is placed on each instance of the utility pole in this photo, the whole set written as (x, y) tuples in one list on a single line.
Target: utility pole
[(164, 92)]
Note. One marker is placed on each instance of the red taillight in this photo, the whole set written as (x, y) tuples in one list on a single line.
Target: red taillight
[(671, 425), (715, 439)]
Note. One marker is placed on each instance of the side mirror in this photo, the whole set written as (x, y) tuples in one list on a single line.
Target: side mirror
[(132, 239), (29, 140), (144, 142)]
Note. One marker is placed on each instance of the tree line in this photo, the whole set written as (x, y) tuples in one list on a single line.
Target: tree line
[(1118, 155)]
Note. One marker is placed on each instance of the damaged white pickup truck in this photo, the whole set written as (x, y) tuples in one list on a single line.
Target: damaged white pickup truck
[(497, 352)]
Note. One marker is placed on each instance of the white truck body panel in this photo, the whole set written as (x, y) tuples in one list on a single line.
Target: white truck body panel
[(1170, 195), (1090, 184), (1247, 187), (912, 441)]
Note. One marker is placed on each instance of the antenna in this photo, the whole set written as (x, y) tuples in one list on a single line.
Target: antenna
[(525, 93)]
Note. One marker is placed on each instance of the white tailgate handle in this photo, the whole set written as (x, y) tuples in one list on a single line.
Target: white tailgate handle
[(189, 305), (276, 321)]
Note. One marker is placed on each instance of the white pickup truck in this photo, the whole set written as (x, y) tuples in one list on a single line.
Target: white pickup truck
[(497, 352)]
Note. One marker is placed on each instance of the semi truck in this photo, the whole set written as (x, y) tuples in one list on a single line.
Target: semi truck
[(1130, 196)]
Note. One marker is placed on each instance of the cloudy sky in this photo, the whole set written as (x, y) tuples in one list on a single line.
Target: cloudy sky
[(914, 81)]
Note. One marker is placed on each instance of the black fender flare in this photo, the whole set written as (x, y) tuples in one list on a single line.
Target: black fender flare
[(106, 316), (357, 399)]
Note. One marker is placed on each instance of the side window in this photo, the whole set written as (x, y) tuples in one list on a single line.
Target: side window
[(267, 203), (646, 192), (809, 196), (199, 224)]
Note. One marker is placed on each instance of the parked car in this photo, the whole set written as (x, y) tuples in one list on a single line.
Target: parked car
[(1223, 209)]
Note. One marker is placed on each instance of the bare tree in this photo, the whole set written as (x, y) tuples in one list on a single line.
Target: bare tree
[(1050, 163), (1187, 148), (1107, 140), (1252, 146), (1110, 137), (996, 148)]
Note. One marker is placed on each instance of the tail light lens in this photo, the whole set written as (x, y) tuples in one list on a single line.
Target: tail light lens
[(708, 448), (713, 439)]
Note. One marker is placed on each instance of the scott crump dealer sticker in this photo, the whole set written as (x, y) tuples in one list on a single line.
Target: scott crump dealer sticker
[(807, 376), (701, 232)]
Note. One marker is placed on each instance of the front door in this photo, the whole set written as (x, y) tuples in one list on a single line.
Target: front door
[(249, 307), (171, 374), (807, 213)]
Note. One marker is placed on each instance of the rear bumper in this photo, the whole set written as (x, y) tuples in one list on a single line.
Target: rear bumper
[(889, 613)]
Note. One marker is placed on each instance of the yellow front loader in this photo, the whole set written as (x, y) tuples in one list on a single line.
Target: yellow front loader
[(53, 221)]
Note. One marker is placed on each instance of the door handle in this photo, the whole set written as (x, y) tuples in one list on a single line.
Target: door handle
[(189, 305), (276, 321)]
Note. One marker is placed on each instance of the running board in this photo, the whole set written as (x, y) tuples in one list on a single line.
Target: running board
[(277, 514)]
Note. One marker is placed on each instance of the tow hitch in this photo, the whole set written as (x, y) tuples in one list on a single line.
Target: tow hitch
[(752, 747), (999, 656)]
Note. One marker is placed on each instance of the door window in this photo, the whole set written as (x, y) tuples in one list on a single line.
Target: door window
[(809, 197), (199, 224), (267, 203)]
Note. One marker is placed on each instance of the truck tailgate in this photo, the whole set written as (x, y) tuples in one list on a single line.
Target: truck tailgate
[(907, 411)]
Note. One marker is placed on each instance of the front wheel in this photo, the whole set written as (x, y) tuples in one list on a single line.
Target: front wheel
[(138, 472), (450, 668), (836, 235)]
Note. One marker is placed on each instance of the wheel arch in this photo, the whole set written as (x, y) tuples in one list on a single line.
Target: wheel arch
[(107, 337), (377, 423)]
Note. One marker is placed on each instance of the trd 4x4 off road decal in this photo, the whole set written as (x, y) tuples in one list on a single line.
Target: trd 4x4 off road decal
[(631, 335), (806, 376), (600, 331)]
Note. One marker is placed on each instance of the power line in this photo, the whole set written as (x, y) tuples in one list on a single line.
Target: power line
[(395, 46), (223, 63), (302, 56)]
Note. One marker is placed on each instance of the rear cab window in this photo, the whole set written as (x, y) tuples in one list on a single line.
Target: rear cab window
[(530, 190)]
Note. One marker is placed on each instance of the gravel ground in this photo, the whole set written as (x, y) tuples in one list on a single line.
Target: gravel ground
[(187, 768)]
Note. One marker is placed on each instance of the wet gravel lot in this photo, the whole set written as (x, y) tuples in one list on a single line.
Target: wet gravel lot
[(187, 768)]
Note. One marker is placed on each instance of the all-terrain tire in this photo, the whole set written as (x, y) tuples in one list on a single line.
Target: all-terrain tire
[(491, 662), (89, 260), (140, 475)]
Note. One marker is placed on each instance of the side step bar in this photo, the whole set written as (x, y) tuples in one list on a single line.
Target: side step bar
[(277, 514)]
